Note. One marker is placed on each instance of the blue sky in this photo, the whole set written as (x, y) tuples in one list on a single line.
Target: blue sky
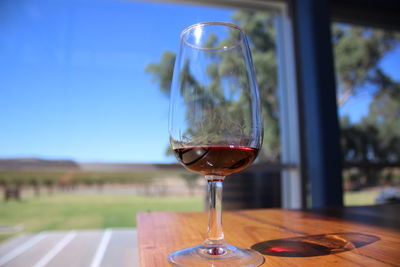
[(73, 84)]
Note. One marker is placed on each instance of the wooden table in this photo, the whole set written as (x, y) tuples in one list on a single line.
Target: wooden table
[(339, 237)]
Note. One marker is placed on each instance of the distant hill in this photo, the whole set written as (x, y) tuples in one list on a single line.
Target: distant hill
[(21, 164), (101, 166), (37, 164)]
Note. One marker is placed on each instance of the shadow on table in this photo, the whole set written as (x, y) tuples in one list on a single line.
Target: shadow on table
[(314, 245)]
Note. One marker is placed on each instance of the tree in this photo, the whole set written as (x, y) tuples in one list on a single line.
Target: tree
[(358, 51), (384, 115)]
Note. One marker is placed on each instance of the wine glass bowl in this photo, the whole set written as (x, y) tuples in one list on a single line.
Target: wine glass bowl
[(215, 126)]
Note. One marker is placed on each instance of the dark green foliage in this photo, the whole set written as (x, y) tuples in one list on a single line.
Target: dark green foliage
[(358, 51), (163, 71)]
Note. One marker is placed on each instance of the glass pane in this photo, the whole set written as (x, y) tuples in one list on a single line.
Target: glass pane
[(84, 103), (368, 79)]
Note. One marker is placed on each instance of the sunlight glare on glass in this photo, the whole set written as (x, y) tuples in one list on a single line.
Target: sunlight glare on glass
[(197, 34)]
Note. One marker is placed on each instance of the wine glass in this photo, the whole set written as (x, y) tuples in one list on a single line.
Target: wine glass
[(215, 126)]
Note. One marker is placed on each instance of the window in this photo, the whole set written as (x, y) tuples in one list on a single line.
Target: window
[(85, 101), (367, 69)]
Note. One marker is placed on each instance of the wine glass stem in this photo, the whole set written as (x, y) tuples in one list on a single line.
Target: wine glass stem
[(215, 235)]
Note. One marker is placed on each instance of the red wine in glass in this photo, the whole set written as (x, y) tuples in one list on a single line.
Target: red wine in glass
[(216, 160)]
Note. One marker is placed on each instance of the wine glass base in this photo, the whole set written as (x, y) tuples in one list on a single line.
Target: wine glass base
[(215, 256)]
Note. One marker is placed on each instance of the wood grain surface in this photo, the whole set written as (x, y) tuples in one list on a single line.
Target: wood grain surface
[(285, 238)]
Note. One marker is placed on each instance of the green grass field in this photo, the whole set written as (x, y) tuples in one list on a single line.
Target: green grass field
[(365, 197), (72, 211), (99, 211)]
